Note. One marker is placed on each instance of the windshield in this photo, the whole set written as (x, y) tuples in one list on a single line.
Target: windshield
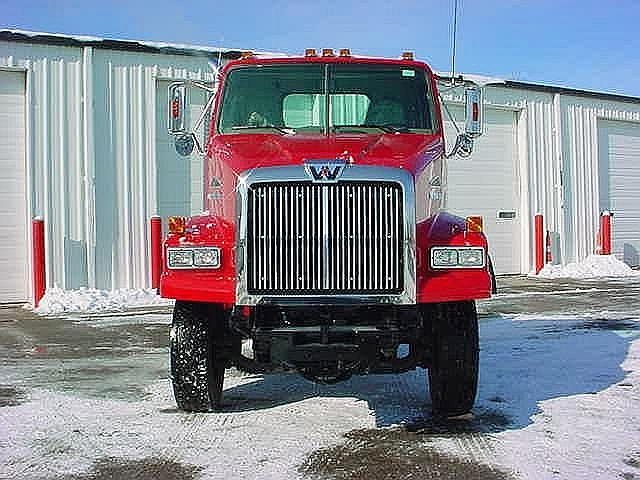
[(294, 98)]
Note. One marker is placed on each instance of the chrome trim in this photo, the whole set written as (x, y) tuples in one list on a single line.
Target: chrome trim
[(453, 247), (351, 173), (194, 266)]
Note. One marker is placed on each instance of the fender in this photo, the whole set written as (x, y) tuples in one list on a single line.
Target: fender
[(442, 285), (216, 285)]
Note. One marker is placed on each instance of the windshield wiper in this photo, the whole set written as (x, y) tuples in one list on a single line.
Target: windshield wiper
[(284, 131), (387, 128)]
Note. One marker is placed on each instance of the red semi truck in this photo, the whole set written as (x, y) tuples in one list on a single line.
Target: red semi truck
[(324, 245)]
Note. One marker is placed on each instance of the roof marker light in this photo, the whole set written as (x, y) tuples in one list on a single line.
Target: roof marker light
[(345, 52), (327, 52), (407, 55), (310, 52), (245, 55)]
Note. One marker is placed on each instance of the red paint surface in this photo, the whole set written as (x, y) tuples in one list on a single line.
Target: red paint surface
[(539, 242), (228, 155), (452, 284), (605, 229), (38, 261), (155, 238), (216, 285)]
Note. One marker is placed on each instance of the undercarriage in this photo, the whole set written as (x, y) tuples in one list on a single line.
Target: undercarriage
[(329, 344)]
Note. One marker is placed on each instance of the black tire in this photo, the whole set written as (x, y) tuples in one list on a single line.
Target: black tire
[(197, 369), (453, 371)]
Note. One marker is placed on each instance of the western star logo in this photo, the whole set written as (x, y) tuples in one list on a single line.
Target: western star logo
[(324, 170)]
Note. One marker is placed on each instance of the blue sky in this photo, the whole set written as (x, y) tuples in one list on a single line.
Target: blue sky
[(586, 44)]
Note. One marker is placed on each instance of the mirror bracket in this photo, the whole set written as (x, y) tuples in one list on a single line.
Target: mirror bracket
[(186, 141)]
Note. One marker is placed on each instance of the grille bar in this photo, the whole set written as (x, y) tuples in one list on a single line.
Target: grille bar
[(307, 238)]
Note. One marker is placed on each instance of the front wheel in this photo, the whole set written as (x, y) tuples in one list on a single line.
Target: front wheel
[(197, 368), (453, 373)]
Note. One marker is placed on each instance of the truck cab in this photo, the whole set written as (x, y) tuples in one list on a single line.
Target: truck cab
[(325, 247)]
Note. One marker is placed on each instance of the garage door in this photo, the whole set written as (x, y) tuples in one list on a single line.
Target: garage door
[(487, 184), (179, 178), (13, 195), (619, 153)]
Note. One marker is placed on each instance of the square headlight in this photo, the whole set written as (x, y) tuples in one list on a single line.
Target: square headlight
[(471, 257), (444, 257), (206, 257), (180, 257)]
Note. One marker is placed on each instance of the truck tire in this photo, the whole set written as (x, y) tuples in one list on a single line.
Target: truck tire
[(453, 372), (197, 372)]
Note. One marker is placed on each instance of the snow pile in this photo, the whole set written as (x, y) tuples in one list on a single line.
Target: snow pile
[(593, 266), (86, 300)]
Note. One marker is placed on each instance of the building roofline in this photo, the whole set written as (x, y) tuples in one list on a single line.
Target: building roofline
[(572, 91), (45, 38), (538, 87)]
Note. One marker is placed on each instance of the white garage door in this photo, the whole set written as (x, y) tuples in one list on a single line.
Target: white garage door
[(619, 152), (487, 184), (179, 178), (13, 195)]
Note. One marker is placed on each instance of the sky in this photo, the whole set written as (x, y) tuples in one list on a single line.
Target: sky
[(591, 45)]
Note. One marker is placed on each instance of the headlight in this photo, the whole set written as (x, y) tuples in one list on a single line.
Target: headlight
[(444, 258), (206, 257), (180, 258), (200, 257), (457, 257), (471, 257)]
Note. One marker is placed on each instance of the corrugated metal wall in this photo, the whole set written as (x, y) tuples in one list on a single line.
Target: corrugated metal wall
[(581, 170), (558, 161), (91, 155)]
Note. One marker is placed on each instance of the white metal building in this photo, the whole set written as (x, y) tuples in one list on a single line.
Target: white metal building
[(565, 153), (83, 143)]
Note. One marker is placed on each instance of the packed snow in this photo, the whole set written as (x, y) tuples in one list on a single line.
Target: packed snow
[(89, 300), (568, 415), (594, 266), (559, 397)]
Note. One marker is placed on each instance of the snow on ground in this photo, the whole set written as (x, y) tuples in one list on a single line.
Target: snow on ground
[(559, 398), (88, 300), (594, 266)]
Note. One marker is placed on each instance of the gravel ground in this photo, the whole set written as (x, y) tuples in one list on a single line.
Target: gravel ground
[(88, 397)]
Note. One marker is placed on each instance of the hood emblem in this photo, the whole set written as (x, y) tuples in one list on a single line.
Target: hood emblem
[(327, 171)]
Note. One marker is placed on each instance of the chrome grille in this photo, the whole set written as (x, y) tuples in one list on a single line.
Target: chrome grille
[(307, 238)]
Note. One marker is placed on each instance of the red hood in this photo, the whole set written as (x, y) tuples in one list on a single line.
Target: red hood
[(410, 151)]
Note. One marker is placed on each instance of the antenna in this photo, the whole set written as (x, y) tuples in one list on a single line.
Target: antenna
[(453, 41)]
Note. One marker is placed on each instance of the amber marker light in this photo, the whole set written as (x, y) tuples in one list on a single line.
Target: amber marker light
[(474, 224), (345, 52), (327, 52), (407, 55), (310, 52), (177, 224), (245, 55)]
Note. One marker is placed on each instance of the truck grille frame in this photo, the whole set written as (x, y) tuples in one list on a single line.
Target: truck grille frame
[(323, 251)]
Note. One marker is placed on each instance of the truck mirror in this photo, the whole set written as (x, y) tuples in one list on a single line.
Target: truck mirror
[(177, 122), (185, 144), (473, 113)]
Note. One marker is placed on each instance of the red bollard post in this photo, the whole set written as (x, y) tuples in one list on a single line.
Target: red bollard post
[(605, 229), (156, 250), (539, 242), (38, 260)]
